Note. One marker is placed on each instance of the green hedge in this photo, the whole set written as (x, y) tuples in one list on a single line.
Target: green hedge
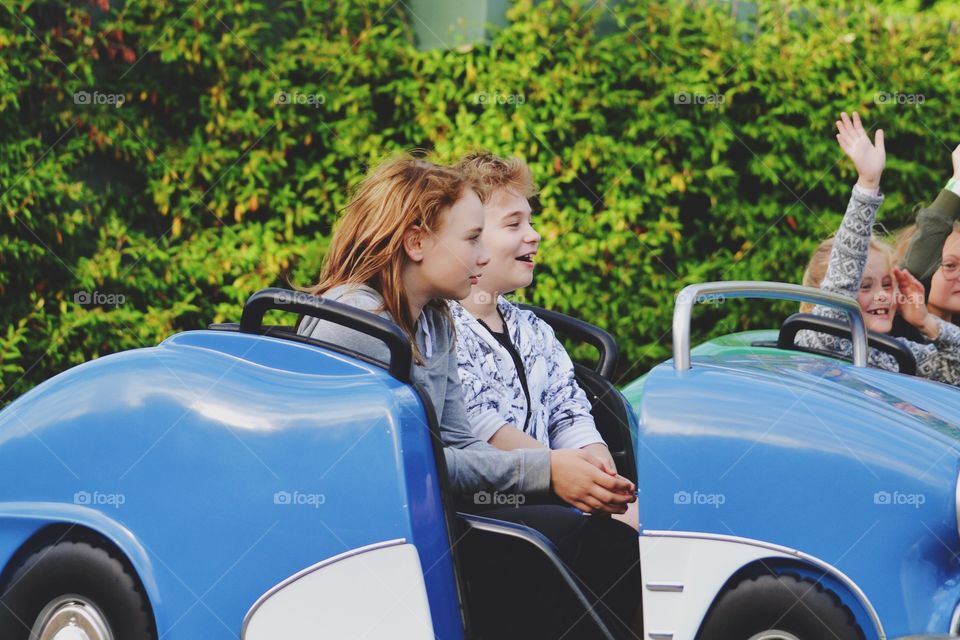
[(244, 124)]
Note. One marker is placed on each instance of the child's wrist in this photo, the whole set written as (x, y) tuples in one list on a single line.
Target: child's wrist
[(929, 327), (870, 185)]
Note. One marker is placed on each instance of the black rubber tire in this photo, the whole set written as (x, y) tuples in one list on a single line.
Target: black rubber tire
[(800, 606), (75, 568)]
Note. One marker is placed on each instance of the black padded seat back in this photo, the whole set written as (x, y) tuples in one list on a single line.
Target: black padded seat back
[(613, 416)]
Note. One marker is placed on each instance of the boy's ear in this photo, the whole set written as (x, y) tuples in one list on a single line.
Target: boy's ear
[(413, 243)]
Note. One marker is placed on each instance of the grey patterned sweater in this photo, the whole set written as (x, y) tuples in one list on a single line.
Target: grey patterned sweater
[(937, 360)]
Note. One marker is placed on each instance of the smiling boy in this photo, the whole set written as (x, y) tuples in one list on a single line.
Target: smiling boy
[(517, 379), (518, 382)]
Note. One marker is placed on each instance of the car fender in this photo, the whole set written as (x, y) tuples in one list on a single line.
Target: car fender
[(685, 572)]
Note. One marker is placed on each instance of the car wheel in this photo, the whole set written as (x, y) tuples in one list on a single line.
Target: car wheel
[(782, 607), (74, 590)]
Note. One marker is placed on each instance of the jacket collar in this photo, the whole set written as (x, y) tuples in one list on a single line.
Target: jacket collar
[(468, 320)]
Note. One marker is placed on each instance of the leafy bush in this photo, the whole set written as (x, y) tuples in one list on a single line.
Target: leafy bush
[(161, 161)]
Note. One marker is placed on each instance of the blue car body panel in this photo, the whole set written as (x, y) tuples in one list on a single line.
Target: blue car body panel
[(221, 463), (857, 467)]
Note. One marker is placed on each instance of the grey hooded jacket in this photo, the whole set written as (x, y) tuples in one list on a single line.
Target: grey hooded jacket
[(472, 464)]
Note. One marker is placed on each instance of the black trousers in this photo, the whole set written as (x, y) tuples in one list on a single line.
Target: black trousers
[(514, 592)]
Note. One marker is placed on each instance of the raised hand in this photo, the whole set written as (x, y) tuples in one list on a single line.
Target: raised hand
[(868, 158)]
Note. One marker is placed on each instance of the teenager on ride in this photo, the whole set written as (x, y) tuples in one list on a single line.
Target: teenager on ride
[(409, 240), (517, 379)]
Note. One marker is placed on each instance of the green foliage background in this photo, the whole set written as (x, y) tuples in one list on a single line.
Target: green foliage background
[(202, 188)]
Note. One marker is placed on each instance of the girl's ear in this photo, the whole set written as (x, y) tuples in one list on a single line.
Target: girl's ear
[(413, 243)]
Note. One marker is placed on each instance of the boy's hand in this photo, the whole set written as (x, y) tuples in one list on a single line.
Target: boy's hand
[(868, 158), (602, 453), (578, 478)]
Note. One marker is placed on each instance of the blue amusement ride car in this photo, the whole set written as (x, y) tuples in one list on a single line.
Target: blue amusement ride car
[(246, 482), (787, 494)]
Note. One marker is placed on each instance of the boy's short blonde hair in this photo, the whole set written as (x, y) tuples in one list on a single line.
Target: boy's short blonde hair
[(489, 173)]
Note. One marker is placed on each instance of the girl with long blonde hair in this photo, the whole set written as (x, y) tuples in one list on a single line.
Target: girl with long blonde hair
[(409, 240), (860, 266)]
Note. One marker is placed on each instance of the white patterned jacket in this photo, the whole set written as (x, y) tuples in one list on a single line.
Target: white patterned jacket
[(560, 415)]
